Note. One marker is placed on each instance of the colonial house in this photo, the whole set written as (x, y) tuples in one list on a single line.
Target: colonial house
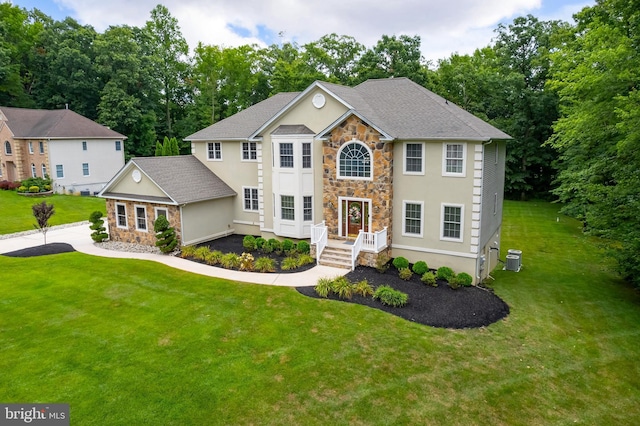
[(78, 154), (386, 167)]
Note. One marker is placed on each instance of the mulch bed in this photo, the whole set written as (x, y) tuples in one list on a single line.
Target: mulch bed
[(53, 248)]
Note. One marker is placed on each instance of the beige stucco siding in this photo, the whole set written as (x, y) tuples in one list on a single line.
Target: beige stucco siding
[(127, 185), (207, 220)]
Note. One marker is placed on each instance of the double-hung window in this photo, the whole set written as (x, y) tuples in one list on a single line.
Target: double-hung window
[(249, 151), (33, 170), (30, 147), (307, 208), (414, 158), (41, 147), (118, 145), (412, 213), (85, 169), (250, 199), (84, 145), (453, 159), (452, 222), (214, 151), (306, 155), (59, 171), (287, 207), (286, 155), (141, 218), (121, 215)]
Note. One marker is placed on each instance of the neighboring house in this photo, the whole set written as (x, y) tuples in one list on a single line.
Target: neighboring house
[(197, 203), (386, 166), (78, 154)]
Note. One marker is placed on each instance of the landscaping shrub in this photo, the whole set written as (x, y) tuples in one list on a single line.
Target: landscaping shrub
[(34, 189), (260, 242), (43, 212), (289, 263), (382, 263), (405, 274), (41, 183), (464, 279), (188, 251), (400, 263), (249, 242), (22, 188), (246, 262), (97, 226), (420, 267), (342, 287), (287, 246), (8, 185), (303, 247), (305, 259), (275, 245), (453, 282), (324, 287), (267, 247), (265, 264), (230, 261), (445, 273), (201, 253), (363, 288), (429, 278), (214, 257), (165, 235), (391, 297)]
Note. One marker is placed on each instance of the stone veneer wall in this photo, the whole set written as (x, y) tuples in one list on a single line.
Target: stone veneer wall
[(131, 235), (379, 190)]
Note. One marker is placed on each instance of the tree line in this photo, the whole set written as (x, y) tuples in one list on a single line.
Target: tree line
[(566, 92)]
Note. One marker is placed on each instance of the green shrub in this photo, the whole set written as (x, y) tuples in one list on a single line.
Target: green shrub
[(34, 189), (363, 288), (420, 267), (230, 261), (201, 253), (260, 242), (246, 262), (429, 278), (249, 242), (400, 263), (303, 247), (287, 246), (22, 189), (166, 239), (324, 286), (382, 263), (265, 264), (454, 283), (445, 273), (275, 245), (391, 297), (405, 274), (214, 257), (464, 279), (289, 263), (267, 247), (41, 183), (188, 251), (305, 259), (97, 226), (342, 287)]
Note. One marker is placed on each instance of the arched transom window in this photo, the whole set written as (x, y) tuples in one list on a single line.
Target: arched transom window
[(354, 161)]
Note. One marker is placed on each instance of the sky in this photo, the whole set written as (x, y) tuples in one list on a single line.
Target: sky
[(445, 26)]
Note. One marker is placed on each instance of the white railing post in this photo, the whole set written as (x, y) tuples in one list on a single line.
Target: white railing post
[(319, 237), (355, 249)]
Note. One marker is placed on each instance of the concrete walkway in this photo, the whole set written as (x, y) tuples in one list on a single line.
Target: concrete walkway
[(79, 236)]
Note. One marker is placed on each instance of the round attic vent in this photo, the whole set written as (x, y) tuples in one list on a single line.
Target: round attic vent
[(136, 176), (318, 100)]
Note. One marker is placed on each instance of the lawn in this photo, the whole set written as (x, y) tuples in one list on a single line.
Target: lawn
[(133, 342), (15, 210)]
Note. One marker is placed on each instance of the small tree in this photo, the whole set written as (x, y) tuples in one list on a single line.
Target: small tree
[(43, 212), (97, 226), (165, 235)]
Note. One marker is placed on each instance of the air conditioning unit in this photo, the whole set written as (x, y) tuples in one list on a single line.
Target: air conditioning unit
[(513, 263), (517, 253)]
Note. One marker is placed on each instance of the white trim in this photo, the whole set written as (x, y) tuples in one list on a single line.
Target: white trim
[(245, 222), (214, 151), (257, 199), (146, 220), (435, 251), (404, 158), (338, 168), (442, 237), (404, 218), (464, 159), (126, 219), (248, 160), (155, 209), (340, 218)]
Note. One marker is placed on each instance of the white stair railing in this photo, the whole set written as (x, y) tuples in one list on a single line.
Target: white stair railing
[(355, 249), (319, 237)]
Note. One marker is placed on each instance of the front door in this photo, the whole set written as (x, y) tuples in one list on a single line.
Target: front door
[(355, 217)]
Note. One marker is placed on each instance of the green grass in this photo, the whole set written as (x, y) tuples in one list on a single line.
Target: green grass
[(16, 214), (133, 342)]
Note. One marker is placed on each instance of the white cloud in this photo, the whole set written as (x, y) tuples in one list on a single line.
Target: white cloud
[(444, 26)]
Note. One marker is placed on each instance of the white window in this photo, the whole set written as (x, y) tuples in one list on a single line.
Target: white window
[(286, 155), (59, 171), (306, 155), (85, 169), (414, 159), (118, 145), (84, 145), (7, 147), (249, 151), (452, 222), (307, 208), (214, 151), (141, 218), (354, 161), (121, 215), (453, 163), (412, 214), (287, 207), (30, 147), (161, 211), (41, 147), (250, 198), (44, 170), (33, 170)]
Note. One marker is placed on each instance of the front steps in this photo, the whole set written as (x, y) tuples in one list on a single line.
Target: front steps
[(337, 255)]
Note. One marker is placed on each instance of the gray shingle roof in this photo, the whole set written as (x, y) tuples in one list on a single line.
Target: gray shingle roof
[(293, 129), (184, 178), (54, 124)]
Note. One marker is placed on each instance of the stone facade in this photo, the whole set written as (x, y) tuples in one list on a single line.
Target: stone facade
[(131, 234), (379, 190)]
